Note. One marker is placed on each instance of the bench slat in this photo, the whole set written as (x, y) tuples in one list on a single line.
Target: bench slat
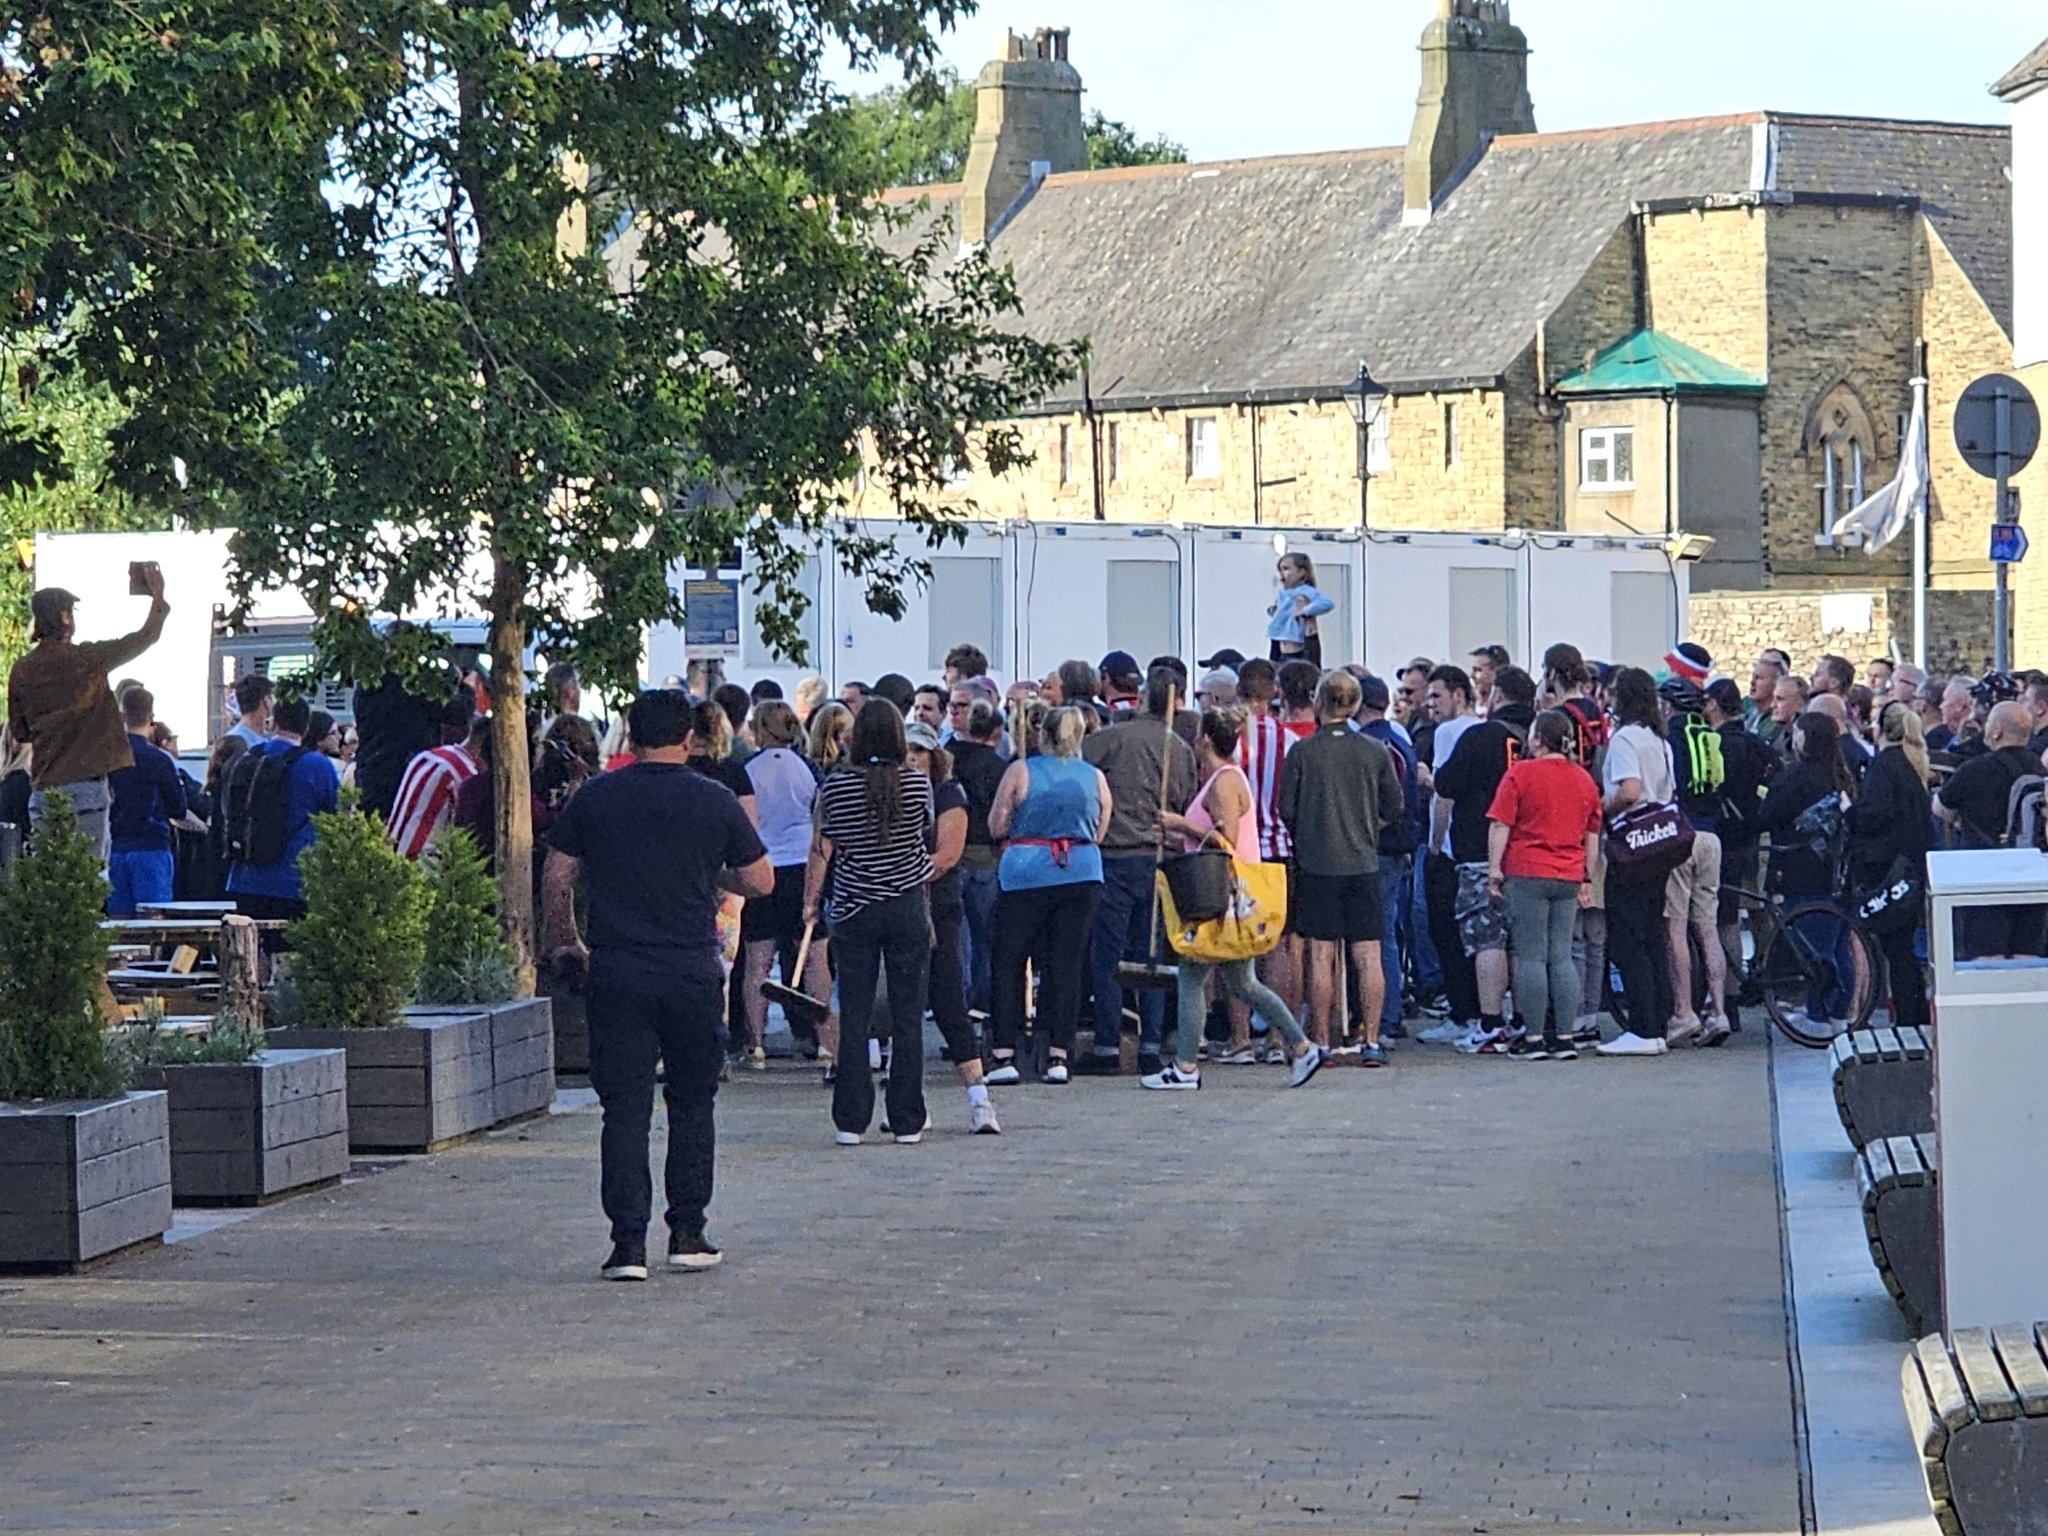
[(1888, 1047), (2024, 1367), (1944, 1387), (1984, 1376), (1914, 1039), (1879, 1154), (1929, 1433)]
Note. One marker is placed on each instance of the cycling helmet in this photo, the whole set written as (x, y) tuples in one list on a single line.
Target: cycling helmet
[(1682, 695)]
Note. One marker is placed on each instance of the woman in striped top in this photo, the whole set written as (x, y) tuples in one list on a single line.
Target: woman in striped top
[(873, 816)]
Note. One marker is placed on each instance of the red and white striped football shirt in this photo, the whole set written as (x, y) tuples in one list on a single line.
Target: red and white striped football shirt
[(1261, 749), (426, 797)]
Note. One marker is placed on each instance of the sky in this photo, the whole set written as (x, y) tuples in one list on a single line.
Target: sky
[(1230, 78)]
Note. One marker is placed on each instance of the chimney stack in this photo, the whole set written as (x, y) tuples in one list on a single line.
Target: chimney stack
[(1027, 125), (1475, 84)]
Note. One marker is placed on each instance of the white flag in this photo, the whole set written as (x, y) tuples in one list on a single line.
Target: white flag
[(1880, 518)]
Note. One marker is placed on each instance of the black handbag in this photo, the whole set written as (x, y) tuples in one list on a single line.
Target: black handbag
[(1895, 903), (1646, 842), (1200, 883)]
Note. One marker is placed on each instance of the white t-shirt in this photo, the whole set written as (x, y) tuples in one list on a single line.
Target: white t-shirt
[(1636, 752), (1446, 739)]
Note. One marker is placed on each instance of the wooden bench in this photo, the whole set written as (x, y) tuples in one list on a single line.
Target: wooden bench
[(1977, 1404), (1899, 1178), (1884, 1083)]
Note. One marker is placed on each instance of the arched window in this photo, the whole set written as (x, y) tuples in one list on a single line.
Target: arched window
[(1841, 444)]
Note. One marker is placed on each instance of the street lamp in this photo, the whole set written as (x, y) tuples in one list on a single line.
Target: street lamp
[(1366, 397)]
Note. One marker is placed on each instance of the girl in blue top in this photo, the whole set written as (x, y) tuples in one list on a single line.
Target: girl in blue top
[(1291, 621), (1052, 810)]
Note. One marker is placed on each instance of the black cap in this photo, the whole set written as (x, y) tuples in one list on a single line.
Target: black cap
[(1227, 657)]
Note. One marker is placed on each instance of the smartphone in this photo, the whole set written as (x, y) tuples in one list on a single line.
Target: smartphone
[(138, 578)]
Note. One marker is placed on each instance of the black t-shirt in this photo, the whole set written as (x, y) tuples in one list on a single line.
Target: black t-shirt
[(1476, 766), (1980, 792), (949, 796), (653, 838), (727, 771)]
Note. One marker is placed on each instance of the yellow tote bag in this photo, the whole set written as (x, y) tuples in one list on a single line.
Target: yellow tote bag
[(1249, 927)]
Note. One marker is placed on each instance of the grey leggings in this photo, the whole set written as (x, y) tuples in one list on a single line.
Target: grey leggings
[(1241, 981), (1589, 950), (1540, 916)]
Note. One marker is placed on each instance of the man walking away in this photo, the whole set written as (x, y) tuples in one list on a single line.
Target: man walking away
[(59, 702), (1337, 790), (147, 796), (269, 801), (654, 844), (1128, 753)]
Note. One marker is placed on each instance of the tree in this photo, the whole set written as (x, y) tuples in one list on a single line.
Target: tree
[(920, 136), (429, 391), (53, 1043)]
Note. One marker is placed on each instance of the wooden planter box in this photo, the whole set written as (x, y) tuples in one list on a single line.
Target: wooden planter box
[(243, 1133), (572, 1025), (80, 1179), (444, 1074)]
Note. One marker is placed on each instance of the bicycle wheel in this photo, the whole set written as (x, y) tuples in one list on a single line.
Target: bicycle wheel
[(1820, 974)]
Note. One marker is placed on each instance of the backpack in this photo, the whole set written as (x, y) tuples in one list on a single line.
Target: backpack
[(1591, 728), (253, 808), (1706, 770), (2025, 823), (1823, 830)]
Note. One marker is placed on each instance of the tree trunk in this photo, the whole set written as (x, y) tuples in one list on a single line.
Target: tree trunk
[(511, 767)]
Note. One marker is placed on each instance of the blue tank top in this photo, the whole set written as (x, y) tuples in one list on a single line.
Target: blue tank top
[(1061, 805)]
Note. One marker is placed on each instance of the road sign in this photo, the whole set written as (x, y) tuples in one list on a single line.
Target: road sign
[(1977, 424), (2008, 543)]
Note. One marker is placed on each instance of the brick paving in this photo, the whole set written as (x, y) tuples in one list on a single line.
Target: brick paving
[(1461, 1296)]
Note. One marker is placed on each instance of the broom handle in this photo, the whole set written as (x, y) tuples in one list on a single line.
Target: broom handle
[(1165, 777), (803, 953)]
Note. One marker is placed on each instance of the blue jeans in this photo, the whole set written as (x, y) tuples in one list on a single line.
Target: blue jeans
[(979, 889), (1429, 970), (1123, 931), (143, 876), (1394, 885)]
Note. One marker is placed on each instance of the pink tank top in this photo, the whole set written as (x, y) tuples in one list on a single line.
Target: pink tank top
[(1198, 816)]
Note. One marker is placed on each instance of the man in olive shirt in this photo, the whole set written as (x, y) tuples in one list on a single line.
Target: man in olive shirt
[(1337, 789), (58, 700)]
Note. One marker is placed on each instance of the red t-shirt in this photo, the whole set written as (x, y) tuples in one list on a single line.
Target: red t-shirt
[(1548, 805)]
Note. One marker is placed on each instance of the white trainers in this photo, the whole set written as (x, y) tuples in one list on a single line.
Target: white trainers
[(981, 1119), (1444, 1033), (1303, 1067), (1717, 1030), (757, 1059), (1172, 1079), (1055, 1072), (848, 1138), (1626, 1044), (874, 1055), (1003, 1074), (1243, 1057), (1682, 1029), (1482, 1039)]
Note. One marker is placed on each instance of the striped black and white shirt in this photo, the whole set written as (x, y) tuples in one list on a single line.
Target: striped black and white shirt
[(867, 867)]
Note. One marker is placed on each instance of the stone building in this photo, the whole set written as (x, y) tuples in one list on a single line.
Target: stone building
[(2024, 88), (1705, 325)]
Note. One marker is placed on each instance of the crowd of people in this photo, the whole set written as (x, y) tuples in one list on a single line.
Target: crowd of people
[(1497, 855)]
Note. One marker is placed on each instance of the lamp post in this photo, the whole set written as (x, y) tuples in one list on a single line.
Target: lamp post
[(1365, 396)]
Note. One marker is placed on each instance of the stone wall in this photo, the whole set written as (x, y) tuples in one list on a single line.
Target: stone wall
[(1859, 624), (1964, 342), (1705, 272)]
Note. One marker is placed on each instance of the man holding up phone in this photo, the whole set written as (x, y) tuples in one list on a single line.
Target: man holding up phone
[(58, 700)]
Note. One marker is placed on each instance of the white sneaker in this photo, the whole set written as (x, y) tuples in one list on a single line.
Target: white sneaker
[(981, 1119), (874, 1055), (911, 1139), (1682, 1029), (757, 1059), (1717, 1030), (1003, 1074), (1054, 1073), (1444, 1033), (1481, 1038), (848, 1138), (1171, 1078), (1626, 1044), (1239, 1058), (1303, 1067)]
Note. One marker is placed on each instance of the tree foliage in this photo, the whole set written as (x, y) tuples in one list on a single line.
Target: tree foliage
[(53, 963), (357, 953)]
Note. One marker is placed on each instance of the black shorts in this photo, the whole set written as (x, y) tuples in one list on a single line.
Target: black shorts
[(779, 916), (1340, 908)]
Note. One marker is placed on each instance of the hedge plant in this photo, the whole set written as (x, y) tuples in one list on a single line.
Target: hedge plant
[(356, 954), (53, 965), (468, 960)]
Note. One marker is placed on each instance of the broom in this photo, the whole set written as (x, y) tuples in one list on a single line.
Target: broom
[(1156, 975), (798, 1007)]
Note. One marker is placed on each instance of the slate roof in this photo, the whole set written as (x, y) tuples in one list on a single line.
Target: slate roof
[(1651, 362), (1271, 278), (2025, 77)]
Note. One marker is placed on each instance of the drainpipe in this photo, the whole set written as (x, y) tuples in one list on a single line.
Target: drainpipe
[(1258, 469), (1094, 420), (1670, 462)]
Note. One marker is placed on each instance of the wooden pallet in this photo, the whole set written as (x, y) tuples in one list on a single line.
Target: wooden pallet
[(1884, 1083), (1977, 1404), (1900, 1179)]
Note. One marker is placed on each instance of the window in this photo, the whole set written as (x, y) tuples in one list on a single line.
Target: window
[(1204, 461), (1066, 455), (1116, 451), (1842, 437), (1607, 459), (1483, 610), (965, 607), (1639, 616), (1451, 444), (1379, 439), (1144, 607)]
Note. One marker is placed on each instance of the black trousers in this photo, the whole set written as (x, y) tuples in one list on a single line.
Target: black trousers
[(1908, 981), (949, 984), (630, 1030), (896, 933), (1639, 948), (1440, 896), (1054, 925)]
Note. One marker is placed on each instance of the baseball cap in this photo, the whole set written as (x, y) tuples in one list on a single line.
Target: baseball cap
[(1227, 657), (918, 734), (48, 605), (1372, 692), (1119, 664)]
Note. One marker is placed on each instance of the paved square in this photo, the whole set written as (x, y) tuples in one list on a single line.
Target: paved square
[(1464, 1295)]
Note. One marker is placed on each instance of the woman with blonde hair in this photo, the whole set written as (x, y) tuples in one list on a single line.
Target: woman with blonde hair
[(1052, 810), (830, 729), (1889, 830)]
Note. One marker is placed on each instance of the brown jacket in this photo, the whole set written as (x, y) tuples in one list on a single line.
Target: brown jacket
[(1128, 753), (58, 698)]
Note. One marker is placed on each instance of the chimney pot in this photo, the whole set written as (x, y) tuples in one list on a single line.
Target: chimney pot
[(1027, 115)]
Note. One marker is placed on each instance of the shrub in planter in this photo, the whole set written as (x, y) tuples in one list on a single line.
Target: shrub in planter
[(356, 954), (84, 1166), (467, 958)]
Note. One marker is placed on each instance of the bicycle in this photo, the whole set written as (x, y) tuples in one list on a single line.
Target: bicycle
[(1812, 966)]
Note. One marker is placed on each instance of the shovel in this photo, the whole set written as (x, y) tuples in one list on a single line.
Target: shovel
[(798, 1007)]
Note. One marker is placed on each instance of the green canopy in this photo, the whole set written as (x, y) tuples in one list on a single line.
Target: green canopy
[(1651, 363)]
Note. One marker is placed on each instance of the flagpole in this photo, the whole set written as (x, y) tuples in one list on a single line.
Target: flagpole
[(1920, 519)]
